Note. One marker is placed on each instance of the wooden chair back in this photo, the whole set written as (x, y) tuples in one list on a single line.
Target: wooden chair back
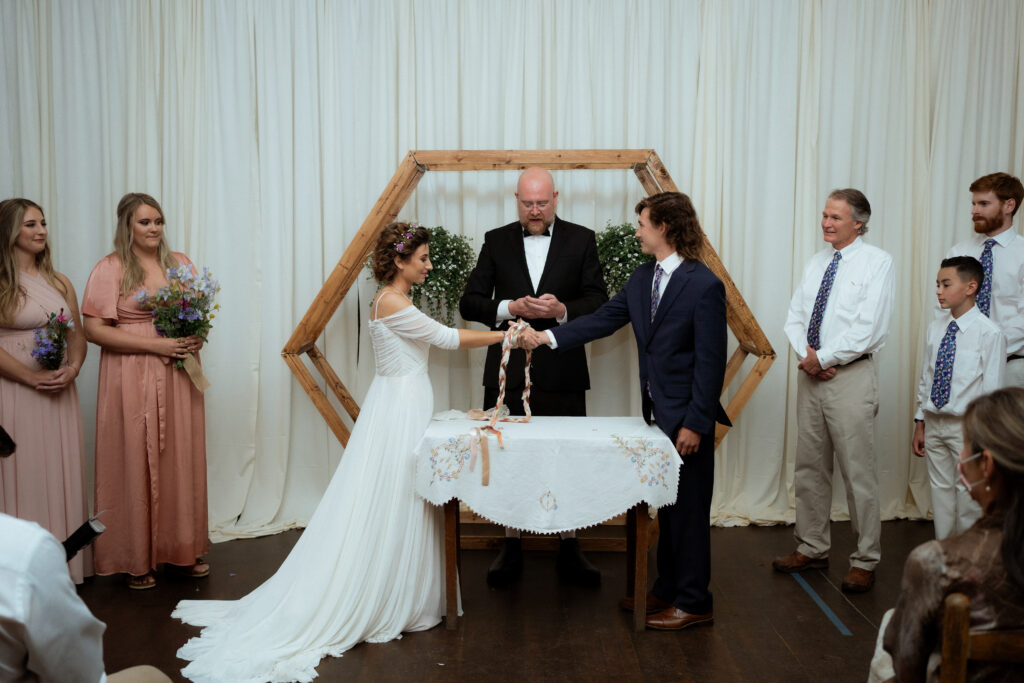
[(960, 644)]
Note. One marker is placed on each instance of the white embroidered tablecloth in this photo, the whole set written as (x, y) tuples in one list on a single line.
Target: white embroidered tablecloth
[(554, 474)]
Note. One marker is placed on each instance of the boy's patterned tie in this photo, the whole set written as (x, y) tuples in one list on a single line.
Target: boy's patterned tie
[(814, 327), (944, 366), (656, 294), (985, 293)]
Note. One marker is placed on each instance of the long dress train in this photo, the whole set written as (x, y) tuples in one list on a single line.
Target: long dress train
[(369, 565)]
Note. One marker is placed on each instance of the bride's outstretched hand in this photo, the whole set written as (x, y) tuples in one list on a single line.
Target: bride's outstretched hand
[(531, 339)]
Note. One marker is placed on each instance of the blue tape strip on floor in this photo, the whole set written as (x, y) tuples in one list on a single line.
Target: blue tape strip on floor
[(821, 603)]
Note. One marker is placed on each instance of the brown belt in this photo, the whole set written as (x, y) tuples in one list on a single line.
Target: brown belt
[(1014, 357), (866, 356)]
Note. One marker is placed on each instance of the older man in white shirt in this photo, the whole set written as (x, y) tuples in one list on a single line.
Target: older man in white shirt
[(838, 318), (995, 199)]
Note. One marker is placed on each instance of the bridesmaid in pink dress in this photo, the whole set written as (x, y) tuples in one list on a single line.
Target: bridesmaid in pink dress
[(150, 424), (45, 483)]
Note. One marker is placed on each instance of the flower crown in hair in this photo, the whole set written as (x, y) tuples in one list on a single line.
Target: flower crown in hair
[(400, 244)]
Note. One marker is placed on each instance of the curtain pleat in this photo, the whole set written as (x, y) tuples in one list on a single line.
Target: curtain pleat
[(268, 130)]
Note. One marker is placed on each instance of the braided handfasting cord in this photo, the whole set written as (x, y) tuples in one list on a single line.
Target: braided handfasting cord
[(478, 438), (515, 330)]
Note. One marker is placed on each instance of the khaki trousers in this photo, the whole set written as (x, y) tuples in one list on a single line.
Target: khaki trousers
[(838, 417), (953, 508)]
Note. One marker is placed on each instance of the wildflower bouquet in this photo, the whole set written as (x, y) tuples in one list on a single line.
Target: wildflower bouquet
[(619, 252), (52, 341), (182, 308)]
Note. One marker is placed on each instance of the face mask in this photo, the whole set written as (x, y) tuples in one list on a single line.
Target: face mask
[(963, 479)]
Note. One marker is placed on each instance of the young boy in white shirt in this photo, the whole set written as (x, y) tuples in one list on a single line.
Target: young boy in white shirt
[(965, 357)]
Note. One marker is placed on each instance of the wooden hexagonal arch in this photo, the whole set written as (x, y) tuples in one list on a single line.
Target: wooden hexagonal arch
[(648, 169)]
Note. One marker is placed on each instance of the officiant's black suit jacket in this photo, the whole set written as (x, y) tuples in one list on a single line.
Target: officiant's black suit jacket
[(682, 358), (572, 273)]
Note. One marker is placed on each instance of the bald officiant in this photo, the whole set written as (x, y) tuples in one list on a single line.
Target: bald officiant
[(545, 270)]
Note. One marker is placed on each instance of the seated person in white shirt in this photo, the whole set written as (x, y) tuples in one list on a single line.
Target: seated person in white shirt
[(965, 357), (46, 631)]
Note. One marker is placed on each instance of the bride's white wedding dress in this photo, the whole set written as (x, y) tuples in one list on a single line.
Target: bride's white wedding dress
[(369, 565)]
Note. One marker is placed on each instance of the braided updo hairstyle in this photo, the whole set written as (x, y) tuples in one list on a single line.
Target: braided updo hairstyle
[(398, 239)]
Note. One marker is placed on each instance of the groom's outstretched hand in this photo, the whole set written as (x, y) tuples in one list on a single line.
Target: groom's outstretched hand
[(687, 441), (531, 339)]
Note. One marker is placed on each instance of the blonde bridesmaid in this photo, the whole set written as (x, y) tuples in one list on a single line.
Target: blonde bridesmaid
[(45, 483), (150, 422)]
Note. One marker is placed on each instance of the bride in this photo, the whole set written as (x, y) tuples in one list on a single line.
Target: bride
[(369, 565)]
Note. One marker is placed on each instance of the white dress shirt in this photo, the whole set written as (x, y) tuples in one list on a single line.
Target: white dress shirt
[(46, 631), (536, 249), (1007, 303), (668, 265), (979, 365), (856, 318)]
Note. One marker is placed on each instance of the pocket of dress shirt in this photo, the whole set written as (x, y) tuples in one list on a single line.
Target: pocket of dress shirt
[(849, 298), (967, 364)]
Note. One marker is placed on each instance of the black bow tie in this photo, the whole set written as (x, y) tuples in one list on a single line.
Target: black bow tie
[(546, 233)]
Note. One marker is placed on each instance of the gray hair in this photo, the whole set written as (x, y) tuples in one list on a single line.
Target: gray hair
[(860, 208)]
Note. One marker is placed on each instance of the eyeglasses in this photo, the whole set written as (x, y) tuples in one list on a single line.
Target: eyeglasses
[(529, 206)]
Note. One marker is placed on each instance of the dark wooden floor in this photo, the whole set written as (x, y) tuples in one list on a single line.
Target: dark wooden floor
[(767, 626)]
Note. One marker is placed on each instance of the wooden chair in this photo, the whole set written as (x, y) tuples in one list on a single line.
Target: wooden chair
[(960, 644)]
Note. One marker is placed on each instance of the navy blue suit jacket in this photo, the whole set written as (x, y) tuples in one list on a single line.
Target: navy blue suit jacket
[(681, 353)]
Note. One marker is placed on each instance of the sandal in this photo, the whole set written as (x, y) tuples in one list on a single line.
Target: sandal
[(196, 571), (141, 583)]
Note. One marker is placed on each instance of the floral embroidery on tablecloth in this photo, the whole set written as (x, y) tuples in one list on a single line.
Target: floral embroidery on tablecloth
[(448, 458), (548, 501), (651, 463)]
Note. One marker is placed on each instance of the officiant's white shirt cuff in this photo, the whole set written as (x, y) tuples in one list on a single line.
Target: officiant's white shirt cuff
[(503, 313), (551, 337)]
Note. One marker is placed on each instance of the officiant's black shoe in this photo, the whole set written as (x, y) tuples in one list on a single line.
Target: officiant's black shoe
[(574, 568), (508, 566)]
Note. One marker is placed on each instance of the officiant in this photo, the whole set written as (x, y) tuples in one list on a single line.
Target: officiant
[(545, 270)]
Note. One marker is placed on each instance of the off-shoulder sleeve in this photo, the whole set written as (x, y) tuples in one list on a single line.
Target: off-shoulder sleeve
[(103, 288), (412, 323)]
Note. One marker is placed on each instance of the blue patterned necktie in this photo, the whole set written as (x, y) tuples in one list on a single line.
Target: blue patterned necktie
[(814, 327), (944, 366), (985, 293), (656, 294)]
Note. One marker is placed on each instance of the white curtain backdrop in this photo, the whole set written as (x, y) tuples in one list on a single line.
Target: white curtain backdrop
[(268, 130)]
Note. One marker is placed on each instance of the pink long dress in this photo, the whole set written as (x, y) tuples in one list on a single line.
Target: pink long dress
[(44, 481), (150, 443)]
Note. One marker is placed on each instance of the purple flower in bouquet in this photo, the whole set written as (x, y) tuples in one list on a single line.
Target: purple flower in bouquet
[(51, 341), (184, 307)]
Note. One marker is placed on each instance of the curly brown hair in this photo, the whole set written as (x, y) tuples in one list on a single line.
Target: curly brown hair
[(675, 211), (398, 240)]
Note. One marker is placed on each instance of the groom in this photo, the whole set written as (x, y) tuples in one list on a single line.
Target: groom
[(677, 309)]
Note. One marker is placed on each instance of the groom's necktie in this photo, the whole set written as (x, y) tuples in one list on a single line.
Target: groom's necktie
[(814, 327), (985, 293), (944, 366), (656, 293)]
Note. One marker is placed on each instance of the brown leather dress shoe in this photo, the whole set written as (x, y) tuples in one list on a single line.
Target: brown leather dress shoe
[(797, 562), (654, 604), (675, 619), (858, 580)]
